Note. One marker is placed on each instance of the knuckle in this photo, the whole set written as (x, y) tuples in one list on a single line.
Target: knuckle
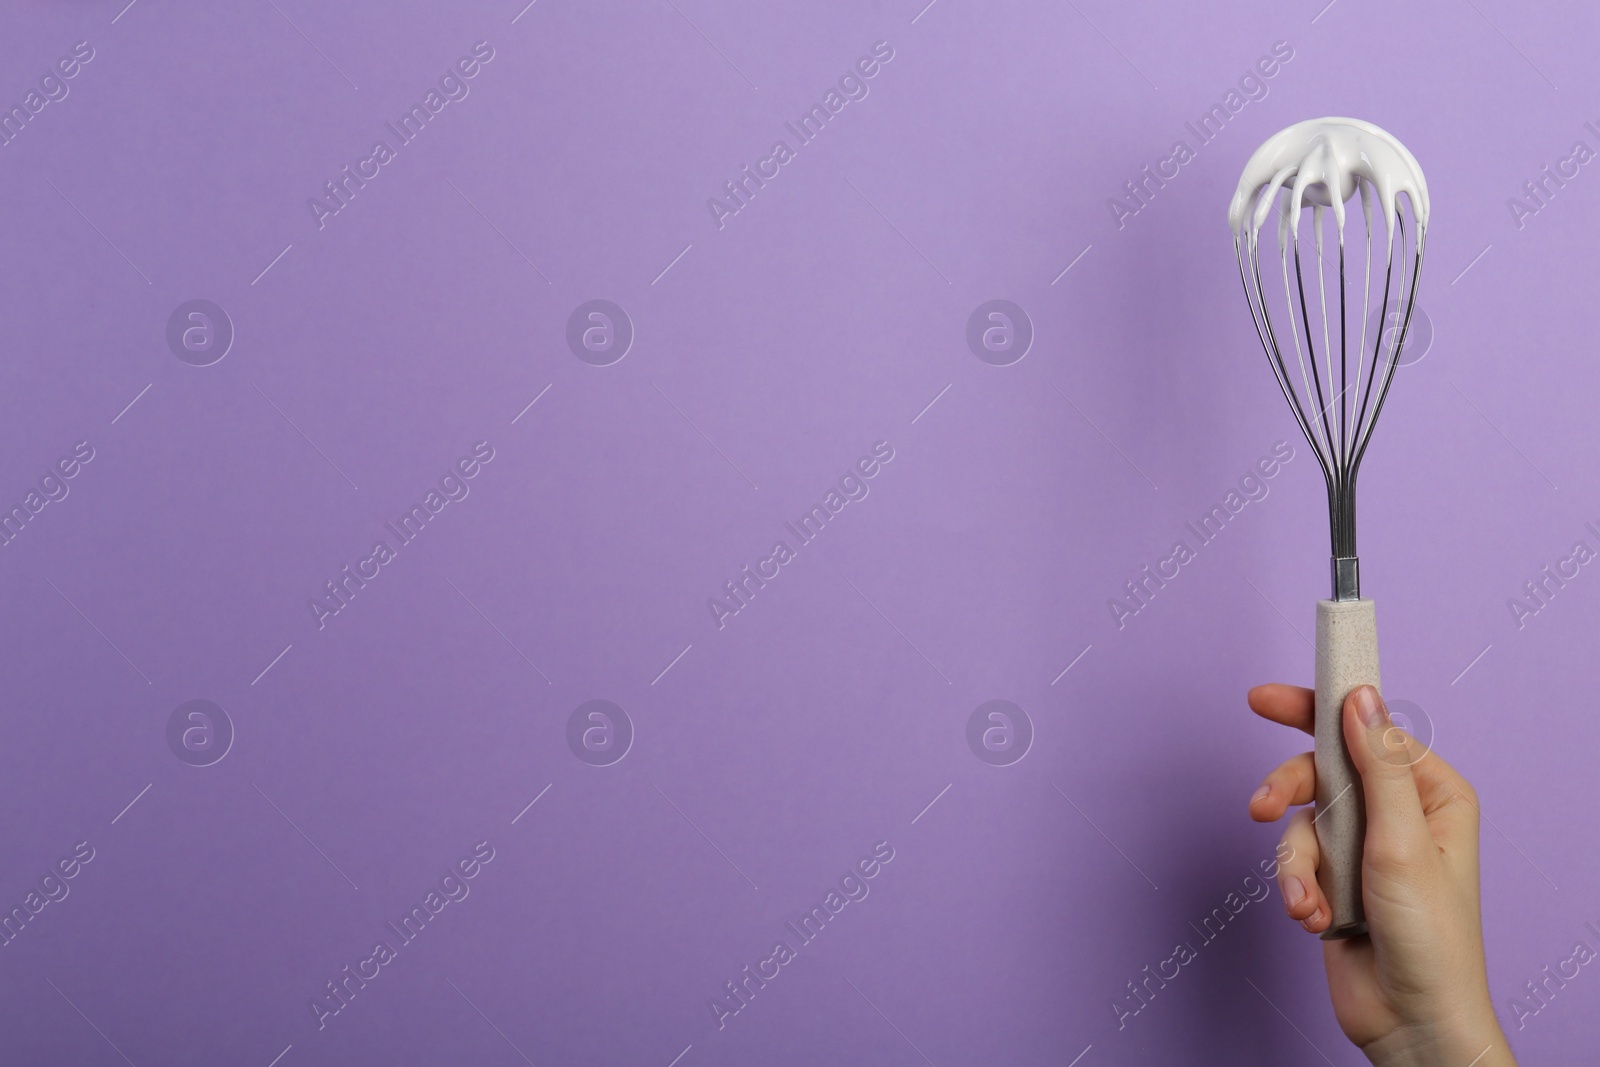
[(1389, 852)]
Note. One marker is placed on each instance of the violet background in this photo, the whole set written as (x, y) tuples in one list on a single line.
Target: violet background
[(829, 713)]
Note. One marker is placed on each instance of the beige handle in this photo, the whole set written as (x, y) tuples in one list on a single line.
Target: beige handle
[(1347, 657)]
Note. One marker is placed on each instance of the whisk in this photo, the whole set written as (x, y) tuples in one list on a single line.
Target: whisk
[(1311, 170)]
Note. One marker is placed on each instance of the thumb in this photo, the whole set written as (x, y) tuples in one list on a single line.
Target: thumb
[(1396, 827)]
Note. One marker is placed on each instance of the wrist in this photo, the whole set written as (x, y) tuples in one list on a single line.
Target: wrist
[(1471, 1035)]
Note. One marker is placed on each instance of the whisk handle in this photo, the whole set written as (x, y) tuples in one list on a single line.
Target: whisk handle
[(1347, 657)]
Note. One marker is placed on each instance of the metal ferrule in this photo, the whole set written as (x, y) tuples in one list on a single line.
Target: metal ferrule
[(1346, 578)]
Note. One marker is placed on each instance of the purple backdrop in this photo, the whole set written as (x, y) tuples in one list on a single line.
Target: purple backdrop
[(578, 346)]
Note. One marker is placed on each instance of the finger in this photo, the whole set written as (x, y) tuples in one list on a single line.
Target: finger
[(1449, 803), (1297, 874), (1293, 782), (1397, 830), (1288, 704), (1439, 785)]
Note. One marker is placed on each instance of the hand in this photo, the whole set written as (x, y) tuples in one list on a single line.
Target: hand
[(1415, 990)]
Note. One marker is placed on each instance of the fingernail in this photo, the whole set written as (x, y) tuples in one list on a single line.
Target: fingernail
[(1370, 707), (1260, 794), (1294, 890), (1311, 923)]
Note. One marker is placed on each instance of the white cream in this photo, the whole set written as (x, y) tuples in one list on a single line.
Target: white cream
[(1326, 158)]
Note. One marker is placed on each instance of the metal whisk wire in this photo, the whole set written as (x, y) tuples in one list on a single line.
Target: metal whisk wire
[(1337, 421)]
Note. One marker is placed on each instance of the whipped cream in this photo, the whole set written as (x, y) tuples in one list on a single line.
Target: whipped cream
[(1323, 162)]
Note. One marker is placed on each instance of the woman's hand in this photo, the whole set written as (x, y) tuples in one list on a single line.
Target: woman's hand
[(1415, 990)]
